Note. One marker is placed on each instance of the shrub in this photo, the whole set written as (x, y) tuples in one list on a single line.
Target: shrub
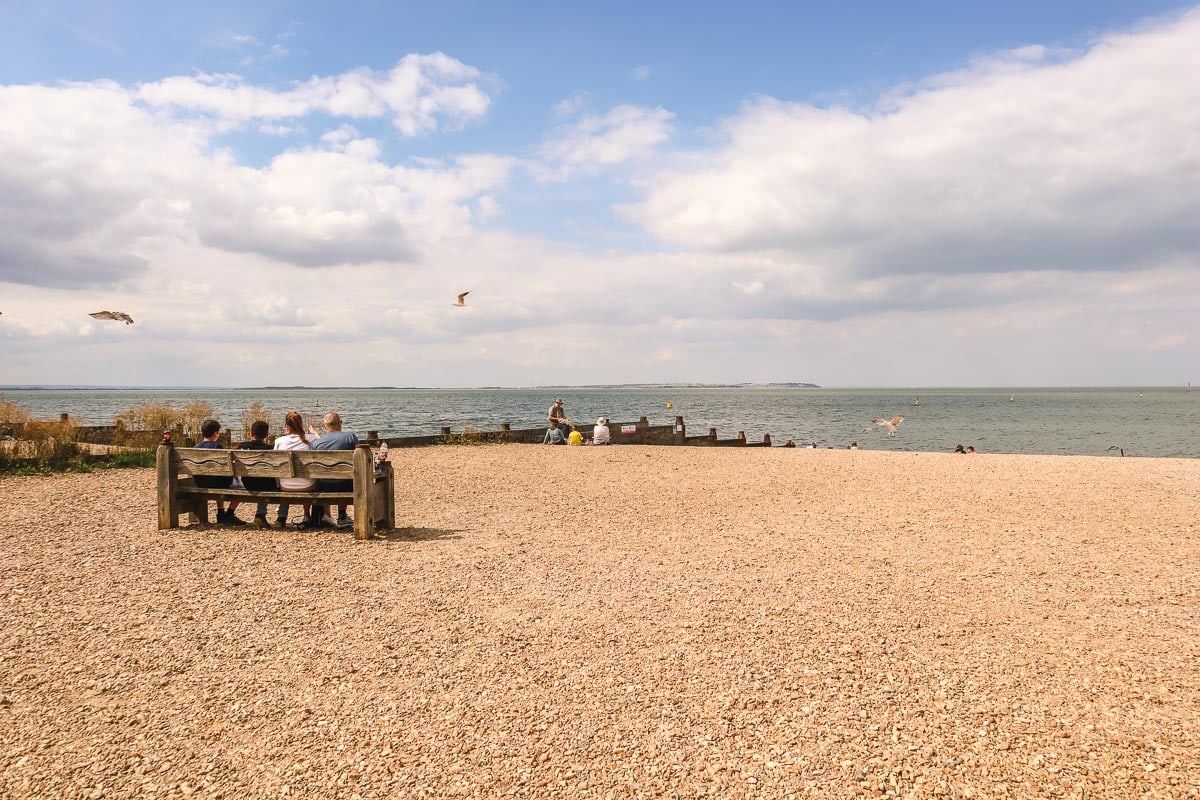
[(11, 413), (183, 423), (40, 446), (256, 412)]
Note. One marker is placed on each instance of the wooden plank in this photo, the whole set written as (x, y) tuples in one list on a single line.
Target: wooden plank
[(293, 497), (364, 474), (167, 479), (332, 464)]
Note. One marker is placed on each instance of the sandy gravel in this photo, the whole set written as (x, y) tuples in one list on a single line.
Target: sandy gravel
[(618, 622)]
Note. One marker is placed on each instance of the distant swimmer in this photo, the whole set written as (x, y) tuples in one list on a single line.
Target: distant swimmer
[(891, 425), (119, 316), (917, 402), (462, 300), (1012, 398)]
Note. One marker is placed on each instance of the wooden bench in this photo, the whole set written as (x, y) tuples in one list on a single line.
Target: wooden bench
[(373, 495)]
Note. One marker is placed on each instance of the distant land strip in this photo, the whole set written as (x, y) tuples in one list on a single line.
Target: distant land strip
[(76, 388)]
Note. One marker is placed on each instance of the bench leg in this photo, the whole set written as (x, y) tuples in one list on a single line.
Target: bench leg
[(200, 509)]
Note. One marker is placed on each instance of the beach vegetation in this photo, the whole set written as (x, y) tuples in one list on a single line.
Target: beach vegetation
[(256, 412), (39, 446), (472, 435), (183, 422), (11, 413)]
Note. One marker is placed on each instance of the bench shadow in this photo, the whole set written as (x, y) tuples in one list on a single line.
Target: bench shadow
[(417, 534)]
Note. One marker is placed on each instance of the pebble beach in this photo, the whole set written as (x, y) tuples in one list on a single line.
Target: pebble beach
[(604, 622)]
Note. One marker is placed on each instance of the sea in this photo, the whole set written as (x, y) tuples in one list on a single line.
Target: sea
[(1151, 421)]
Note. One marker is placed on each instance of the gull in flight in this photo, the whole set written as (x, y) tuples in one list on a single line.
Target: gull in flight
[(891, 425), (119, 316), (462, 300)]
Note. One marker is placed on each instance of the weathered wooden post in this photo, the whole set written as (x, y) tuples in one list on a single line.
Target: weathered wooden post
[(741, 440), (364, 477), (680, 430), (445, 431), (372, 436), (505, 432), (64, 417), (767, 439), (712, 435), (168, 512)]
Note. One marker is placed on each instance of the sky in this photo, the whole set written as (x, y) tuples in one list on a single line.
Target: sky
[(848, 194)]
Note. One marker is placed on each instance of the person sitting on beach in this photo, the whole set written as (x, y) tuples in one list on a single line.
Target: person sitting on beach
[(257, 441), (554, 435), (557, 414), (970, 449), (959, 449), (574, 438), (210, 429), (334, 438), (601, 434), (295, 439), (853, 446)]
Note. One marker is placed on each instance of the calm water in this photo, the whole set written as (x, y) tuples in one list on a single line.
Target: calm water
[(1150, 421)]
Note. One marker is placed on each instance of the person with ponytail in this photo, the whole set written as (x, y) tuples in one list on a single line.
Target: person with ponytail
[(294, 438)]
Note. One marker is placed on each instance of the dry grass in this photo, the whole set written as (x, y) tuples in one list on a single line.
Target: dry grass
[(183, 422)]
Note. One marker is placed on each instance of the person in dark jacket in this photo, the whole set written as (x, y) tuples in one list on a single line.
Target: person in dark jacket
[(258, 435)]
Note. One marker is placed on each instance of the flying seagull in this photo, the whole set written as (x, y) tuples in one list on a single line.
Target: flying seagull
[(119, 316), (891, 426), (462, 300)]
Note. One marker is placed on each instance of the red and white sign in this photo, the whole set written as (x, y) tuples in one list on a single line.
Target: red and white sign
[(629, 429)]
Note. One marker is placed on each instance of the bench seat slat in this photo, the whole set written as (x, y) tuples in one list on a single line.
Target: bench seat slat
[(294, 497)]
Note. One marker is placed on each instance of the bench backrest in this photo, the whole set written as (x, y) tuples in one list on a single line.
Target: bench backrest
[(332, 464)]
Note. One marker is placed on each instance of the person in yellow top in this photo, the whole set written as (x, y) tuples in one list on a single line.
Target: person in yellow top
[(575, 438)]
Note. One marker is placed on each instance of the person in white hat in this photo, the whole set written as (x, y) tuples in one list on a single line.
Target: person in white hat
[(600, 434)]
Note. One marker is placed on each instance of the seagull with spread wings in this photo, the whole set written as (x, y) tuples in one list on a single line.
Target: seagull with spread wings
[(890, 424), (119, 316), (462, 300)]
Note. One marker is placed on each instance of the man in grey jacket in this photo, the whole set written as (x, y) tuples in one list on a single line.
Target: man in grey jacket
[(334, 438)]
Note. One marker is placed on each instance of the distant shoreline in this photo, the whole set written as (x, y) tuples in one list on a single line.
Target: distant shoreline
[(78, 388)]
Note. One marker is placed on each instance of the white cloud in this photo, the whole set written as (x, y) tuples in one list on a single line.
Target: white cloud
[(624, 133), (1168, 341), (1031, 159), (421, 94), (570, 106), (640, 73), (749, 287)]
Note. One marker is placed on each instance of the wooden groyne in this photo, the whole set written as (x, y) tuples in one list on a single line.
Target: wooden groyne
[(639, 432)]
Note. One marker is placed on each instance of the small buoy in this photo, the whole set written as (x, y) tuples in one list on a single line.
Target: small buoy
[(670, 405)]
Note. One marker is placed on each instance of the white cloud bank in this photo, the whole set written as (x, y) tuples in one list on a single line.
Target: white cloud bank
[(90, 172), (1028, 160)]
